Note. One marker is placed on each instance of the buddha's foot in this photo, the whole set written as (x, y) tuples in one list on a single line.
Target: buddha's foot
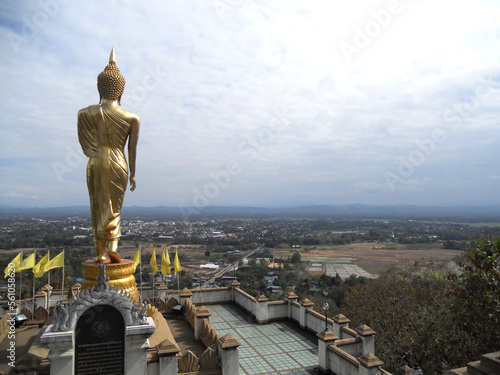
[(114, 257)]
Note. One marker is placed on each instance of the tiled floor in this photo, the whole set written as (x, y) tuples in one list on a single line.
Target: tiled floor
[(273, 349)]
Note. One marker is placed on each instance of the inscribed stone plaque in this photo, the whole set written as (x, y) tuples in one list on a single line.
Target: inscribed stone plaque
[(100, 342)]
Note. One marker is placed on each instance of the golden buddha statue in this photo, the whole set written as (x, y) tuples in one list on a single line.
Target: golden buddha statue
[(103, 132)]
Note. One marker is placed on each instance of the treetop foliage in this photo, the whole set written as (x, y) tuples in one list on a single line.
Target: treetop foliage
[(429, 316)]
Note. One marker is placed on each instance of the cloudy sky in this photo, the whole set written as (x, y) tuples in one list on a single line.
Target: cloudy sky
[(268, 103)]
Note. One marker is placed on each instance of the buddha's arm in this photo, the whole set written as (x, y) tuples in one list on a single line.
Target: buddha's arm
[(132, 150), (87, 133)]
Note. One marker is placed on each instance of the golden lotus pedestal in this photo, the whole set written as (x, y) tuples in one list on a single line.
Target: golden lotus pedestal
[(121, 275)]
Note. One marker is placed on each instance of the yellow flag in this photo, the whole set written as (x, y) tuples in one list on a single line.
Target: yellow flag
[(165, 263), (27, 264), (153, 262), (177, 264), (38, 269), (16, 261), (56, 262), (137, 259)]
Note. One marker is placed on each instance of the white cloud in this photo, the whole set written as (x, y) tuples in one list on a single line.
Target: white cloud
[(220, 80)]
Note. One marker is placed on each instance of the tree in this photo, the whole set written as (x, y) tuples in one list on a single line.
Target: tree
[(267, 254), (296, 257), (185, 281), (146, 274), (478, 299), (406, 308), (434, 315)]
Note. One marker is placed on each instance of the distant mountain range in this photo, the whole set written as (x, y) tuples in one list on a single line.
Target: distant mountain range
[(348, 211)]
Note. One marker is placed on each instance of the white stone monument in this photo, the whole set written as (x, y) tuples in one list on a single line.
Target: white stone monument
[(100, 330)]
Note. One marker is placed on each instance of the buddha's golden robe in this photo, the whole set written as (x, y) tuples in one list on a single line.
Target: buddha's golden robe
[(103, 133)]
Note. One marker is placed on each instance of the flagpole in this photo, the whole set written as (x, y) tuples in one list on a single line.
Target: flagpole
[(20, 289), (169, 278), (62, 286), (162, 275), (164, 270), (177, 269), (48, 291), (33, 312), (140, 266), (154, 275), (20, 281)]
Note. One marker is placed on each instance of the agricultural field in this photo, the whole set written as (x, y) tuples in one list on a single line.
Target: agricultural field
[(375, 258), (373, 245)]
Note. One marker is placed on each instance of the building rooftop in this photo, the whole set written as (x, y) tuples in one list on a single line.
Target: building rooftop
[(273, 348)]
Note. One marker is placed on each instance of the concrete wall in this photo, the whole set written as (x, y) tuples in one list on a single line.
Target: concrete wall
[(166, 294), (211, 296), (277, 310), (295, 311), (245, 301), (343, 364), (315, 321)]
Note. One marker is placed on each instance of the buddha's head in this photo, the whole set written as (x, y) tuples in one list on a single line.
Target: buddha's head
[(110, 82)]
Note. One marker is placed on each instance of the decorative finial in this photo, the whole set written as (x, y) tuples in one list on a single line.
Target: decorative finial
[(112, 56), (110, 82)]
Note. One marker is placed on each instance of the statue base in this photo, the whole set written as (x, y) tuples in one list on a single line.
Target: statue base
[(121, 275)]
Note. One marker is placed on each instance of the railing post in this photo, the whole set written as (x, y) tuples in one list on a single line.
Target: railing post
[(367, 335), (441, 368), (261, 311), (304, 305), (229, 354), (325, 338), (200, 314), (185, 294), (234, 285), (369, 364), (291, 297), (136, 347), (167, 358), (339, 321)]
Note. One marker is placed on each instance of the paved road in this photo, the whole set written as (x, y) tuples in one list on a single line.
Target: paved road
[(230, 268)]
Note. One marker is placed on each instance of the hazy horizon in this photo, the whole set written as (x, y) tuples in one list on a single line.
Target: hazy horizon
[(253, 103), (386, 212), (83, 206)]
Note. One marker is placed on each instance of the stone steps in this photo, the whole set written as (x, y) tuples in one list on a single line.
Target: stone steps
[(489, 364)]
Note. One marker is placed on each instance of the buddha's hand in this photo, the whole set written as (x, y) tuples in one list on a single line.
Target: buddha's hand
[(132, 183)]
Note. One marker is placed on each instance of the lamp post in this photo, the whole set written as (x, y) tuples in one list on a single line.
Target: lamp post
[(326, 306)]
